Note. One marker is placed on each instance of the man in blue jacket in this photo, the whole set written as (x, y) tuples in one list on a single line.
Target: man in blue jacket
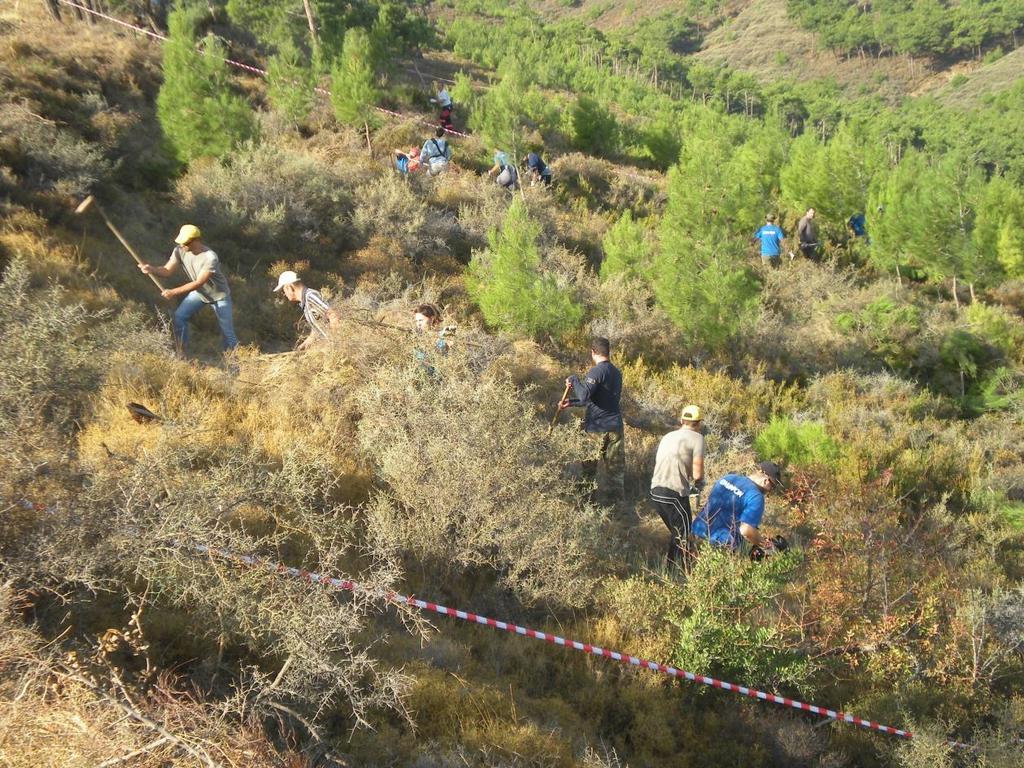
[(732, 514), (600, 391)]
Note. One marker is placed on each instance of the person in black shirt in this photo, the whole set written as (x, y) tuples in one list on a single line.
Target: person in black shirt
[(600, 391)]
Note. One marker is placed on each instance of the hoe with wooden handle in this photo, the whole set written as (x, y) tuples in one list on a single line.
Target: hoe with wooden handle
[(90, 202)]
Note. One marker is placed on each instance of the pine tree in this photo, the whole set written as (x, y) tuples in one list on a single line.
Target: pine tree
[(723, 181), (353, 85), (926, 215), (199, 114), (593, 128), (513, 292), (627, 250), (290, 83)]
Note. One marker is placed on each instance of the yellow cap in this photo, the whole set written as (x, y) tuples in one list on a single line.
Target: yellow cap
[(691, 413), (188, 233)]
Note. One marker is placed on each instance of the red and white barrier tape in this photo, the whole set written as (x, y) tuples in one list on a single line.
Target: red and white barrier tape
[(237, 64), (623, 658)]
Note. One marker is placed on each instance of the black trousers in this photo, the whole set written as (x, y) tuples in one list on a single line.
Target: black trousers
[(674, 509)]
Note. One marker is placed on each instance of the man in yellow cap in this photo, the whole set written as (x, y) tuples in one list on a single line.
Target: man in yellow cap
[(679, 472), (207, 285)]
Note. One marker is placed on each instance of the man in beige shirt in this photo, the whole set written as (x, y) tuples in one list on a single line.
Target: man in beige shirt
[(678, 472), (207, 285)]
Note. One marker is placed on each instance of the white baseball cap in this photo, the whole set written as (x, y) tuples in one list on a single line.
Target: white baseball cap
[(287, 278)]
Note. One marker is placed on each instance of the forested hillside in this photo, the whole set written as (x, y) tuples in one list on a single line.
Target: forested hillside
[(408, 303)]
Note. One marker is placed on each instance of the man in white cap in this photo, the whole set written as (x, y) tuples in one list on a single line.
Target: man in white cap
[(318, 313), (207, 285), (679, 473)]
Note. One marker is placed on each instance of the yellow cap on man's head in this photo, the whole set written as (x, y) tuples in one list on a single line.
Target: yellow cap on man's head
[(691, 413), (188, 233)]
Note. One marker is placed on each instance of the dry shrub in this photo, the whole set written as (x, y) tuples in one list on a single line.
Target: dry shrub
[(473, 479), (630, 319), (84, 712), (54, 356), (45, 157), (388, 208), (730, 407), (268, 191)]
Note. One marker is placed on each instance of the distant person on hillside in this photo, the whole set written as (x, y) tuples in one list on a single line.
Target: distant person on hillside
[(807, 234), (436, 153), (317, 312), (857, 225), (445, 105), (600, 390), (732, 514), (505, 174), (538, 171), (407, 162), (678, 473), (207, 285), (772, 239)]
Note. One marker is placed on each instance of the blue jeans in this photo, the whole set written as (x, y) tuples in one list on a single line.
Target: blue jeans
[(190, 305)]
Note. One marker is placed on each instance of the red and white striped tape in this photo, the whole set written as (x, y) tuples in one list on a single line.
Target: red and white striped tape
[(623, 658), (237, 64)]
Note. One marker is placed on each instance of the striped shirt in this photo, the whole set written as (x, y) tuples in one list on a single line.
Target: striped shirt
[(315, 310)]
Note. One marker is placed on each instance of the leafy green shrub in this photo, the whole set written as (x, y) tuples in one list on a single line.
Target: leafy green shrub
[(994, 55), (958, 80), (513, 290), (997, 327), (796, 443), (724, 627), (199, 114)]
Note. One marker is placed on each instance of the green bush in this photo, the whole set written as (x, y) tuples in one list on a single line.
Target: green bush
[(887, 328), (290, 84), (513, 291), (725, 628), (796, 443), (627, 249), (199, 114), (593, 128)]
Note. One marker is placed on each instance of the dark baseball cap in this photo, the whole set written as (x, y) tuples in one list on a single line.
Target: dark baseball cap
[(772, 470)]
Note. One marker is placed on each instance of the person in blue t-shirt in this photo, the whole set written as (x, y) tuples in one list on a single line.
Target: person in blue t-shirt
[(772, 238), (735, 507), (858, 225)]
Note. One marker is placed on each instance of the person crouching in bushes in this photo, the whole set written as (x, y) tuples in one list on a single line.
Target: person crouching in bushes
[(731, 516), (678, 473), (407, 162), (436, 153), (538, 170), (317, 312), (426, 319), (504, 173)]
